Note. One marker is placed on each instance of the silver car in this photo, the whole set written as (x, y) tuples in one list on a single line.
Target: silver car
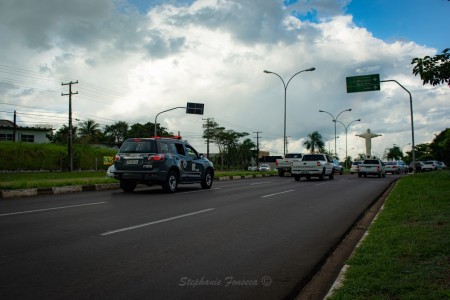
[(396, 167)]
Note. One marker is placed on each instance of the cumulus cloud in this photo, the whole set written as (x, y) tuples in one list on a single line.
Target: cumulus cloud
[(133, 62)]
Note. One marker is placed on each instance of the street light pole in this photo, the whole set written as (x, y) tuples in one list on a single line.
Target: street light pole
[(413, 145), (346, 131), (285, 89), (334, 120), (155, 132)]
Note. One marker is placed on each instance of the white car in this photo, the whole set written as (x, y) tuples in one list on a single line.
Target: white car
[(396, 167), (110, 172), (355, 167), (264, 168)]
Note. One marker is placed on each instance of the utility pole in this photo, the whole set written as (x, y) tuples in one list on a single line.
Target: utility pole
[(14, 127), (257, 147), (70, 152), (208, 123)]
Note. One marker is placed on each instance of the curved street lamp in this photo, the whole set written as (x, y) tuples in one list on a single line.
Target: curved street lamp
[(334, 120), (285, 88), (346, 131)]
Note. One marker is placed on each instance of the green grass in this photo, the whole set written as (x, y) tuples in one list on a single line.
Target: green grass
[(25, 180), (407, 252)]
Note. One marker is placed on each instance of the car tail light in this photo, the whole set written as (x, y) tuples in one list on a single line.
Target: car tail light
[(157, 157), (276, 163), (116, 158), (318, 163)]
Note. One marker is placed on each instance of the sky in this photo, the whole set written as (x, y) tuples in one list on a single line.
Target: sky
[(134, 59)]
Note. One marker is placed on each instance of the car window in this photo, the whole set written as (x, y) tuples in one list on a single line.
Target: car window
[(191, 152), (180, 149), (141, 146), (312, 157), (371, 162), (164, 147)]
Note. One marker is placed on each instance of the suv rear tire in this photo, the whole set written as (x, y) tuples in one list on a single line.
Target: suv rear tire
[(171, 183), (127, 186)]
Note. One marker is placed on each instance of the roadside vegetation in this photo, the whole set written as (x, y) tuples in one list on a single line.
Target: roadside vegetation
[(26, 180), (406, 254)]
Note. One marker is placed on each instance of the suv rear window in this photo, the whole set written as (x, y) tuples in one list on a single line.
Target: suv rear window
[(293, 155), (312, 157), (138, 146), (371, 162)]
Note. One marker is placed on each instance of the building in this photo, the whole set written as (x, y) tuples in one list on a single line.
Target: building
[(23, 134)]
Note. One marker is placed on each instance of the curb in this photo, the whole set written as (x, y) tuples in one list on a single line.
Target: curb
[(10, 194)]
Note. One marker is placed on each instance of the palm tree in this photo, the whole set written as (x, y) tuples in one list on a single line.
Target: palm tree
[(315, 141), (89, 131)]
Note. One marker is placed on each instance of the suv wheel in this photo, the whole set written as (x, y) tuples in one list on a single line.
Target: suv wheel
[(171, 183), (207, 180), (127, 186)]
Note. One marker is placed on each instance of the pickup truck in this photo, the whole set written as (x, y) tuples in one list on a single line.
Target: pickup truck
[(283, 165), (372, 167), (313, 165)]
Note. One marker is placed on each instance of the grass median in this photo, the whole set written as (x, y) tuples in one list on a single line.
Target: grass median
[(406, 254), (26, 180)]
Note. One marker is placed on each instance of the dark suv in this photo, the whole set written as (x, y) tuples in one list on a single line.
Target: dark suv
[(164, 161)]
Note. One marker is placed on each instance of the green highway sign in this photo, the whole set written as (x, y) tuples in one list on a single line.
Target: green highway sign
[(365, 83)]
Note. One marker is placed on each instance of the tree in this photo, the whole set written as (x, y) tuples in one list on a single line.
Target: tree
[(116, 133), (89, 132), (315, 142), (433, 70), (440, 146), (394, 153), (62, 135), (146, 130)]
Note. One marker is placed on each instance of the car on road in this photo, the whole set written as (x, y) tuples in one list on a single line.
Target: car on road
[(396, 167), (161, 160), (430, 165), (110, 172), (419, 165), (338, 168), (372, 167), (264, 168), (354, 168), (441, 165), (252, 168)]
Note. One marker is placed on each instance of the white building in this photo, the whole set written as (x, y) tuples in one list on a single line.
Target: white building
[(23, 134)]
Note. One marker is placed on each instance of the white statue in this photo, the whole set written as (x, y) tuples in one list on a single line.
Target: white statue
[(368, 136)]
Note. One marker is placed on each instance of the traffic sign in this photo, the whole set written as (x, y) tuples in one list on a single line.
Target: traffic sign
[(365, 83), (195, 108)]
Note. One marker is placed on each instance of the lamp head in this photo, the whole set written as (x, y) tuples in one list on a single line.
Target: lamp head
[(268, 72), (349, 109), (321, 110), (310, 69)]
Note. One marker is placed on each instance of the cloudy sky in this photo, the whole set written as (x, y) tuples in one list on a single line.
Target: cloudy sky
[(133, 59)]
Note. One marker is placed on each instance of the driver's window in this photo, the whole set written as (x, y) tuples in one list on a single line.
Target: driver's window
[(191, 152)]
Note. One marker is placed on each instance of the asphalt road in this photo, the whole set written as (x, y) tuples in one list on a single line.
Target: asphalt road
[(254, 238)]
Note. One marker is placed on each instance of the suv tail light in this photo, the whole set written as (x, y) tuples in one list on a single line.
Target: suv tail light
[(156, 157), (318, 163), (116, 158)]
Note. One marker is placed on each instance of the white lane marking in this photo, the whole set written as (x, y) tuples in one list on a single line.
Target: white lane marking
[(265, 196), (53, 208), (156, 222), (264, 182)]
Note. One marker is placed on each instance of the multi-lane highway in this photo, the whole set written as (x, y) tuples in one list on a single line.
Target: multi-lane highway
[(242, 239)]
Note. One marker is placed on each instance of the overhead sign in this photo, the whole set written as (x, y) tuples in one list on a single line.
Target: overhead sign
[(365, 83), (195, 108)]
